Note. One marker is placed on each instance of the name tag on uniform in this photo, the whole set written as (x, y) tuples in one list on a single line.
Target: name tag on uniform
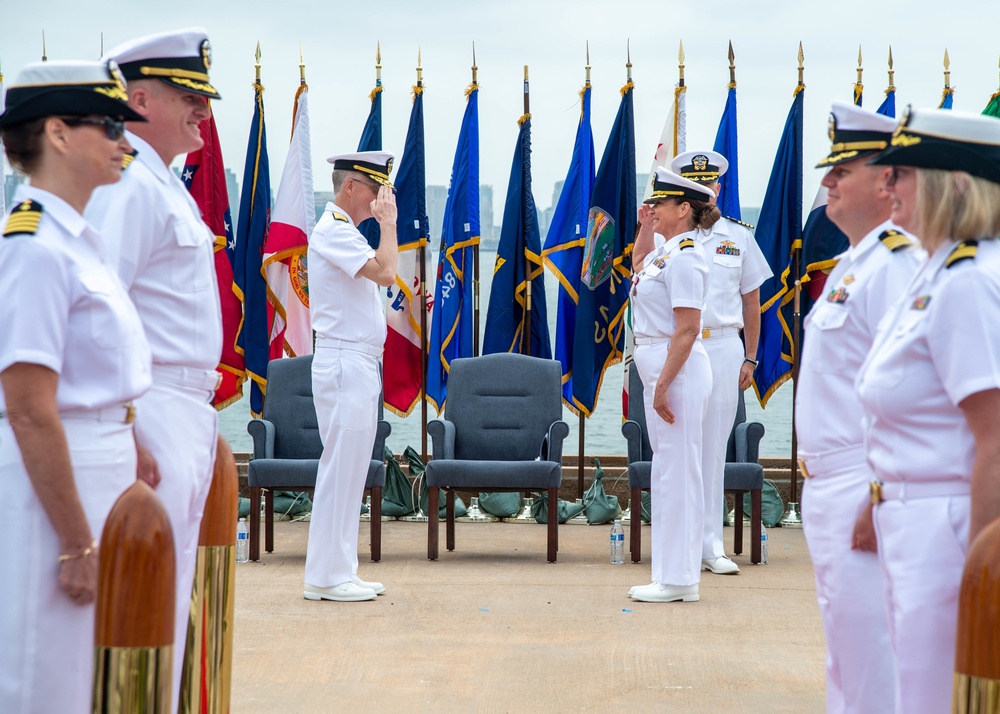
[(727, 247)]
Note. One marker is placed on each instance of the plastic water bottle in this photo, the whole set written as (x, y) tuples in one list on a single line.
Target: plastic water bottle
[(617, 543), (242, 541), (763, 545)]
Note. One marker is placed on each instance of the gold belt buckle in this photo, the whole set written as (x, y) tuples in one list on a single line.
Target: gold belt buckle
[(129, 413), (875, 488), (803, 469), (706, 333)]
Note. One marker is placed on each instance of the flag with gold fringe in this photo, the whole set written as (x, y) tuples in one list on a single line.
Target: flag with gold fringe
[(371, 140), (726, 143)]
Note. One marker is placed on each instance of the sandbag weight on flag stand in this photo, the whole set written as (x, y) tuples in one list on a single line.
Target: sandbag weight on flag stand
[(977, 653)]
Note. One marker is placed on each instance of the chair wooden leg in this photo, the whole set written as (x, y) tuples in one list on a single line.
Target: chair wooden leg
[(269, 520), (432, 523), (635, 527), (254, 524), (553, 523), (449, 514), (375, 526), (738, 524), (755, 525)]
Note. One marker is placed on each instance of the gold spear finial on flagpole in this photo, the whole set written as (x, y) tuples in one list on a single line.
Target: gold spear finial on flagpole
[(475, 69), (628, 56), (947, 69), (256, 66), (680, 65), (891, 72), (802, 68), (587, 67), (378, 63), (732, 66), (859, 65), (420, 70), (44, 58), (302, 67)]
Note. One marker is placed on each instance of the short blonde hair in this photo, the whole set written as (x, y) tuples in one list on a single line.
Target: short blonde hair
[(956, 206)]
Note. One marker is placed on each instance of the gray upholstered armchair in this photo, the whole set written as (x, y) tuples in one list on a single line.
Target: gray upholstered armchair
[(743, 472), (502, 431), (287, 447)]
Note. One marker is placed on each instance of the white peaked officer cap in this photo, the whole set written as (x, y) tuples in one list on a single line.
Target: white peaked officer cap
[(856, 132), (700, 166), (376, 164), (667, 184), (181, 59)]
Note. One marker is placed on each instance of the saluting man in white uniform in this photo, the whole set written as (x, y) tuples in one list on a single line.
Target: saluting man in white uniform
[(867, 279), (163, 252), (737, 269), (348, 315)]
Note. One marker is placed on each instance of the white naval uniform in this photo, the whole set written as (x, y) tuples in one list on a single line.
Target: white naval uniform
[(672, 277), (164, 254), (61, 308), (936, 347), (348, 316), (840, 328), (736, 267)]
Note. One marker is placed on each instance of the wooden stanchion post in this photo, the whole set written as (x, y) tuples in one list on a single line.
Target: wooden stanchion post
[(134, 628)]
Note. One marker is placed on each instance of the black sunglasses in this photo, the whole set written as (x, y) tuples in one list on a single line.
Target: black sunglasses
[(114, 129)]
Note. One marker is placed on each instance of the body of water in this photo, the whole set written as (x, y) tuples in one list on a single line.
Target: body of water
[(602, 434)]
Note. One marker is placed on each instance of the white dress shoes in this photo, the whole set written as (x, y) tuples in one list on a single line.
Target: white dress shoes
[(720, 566), (637, 587), (379, 588), (658, 592), (345, 592)]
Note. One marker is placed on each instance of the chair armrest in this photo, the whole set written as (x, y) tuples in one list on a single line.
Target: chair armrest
[(748, 436), (442, 434), (382, 430), (633, 436), (558, 431), (262, 432)]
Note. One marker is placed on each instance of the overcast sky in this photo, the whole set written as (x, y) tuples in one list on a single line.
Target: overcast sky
[(339, 40)]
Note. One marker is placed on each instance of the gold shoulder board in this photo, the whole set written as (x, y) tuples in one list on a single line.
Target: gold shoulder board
[(737, 220), (128, 159), (894, 240), (686, 243), (340, 217), (24, 218), (965, 250)]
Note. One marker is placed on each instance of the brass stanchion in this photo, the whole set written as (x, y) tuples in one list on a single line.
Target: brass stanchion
[(206, 681), (134, 628), (977, 653)]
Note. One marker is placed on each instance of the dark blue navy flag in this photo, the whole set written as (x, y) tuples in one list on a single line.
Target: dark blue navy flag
[(888, 106), (779, 234), (371, 140), (726, 143), (947, 98), (253, 338), (452, 319), (607, 262), (563, 253), (517, 320)]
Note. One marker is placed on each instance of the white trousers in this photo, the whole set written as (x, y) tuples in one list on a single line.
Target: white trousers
[(922, 548), (179, 427), (850, 589), (726, 356), (677, 492), (346, 387), (47, 640)]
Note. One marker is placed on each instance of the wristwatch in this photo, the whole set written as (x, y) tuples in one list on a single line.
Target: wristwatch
[(751, 361)]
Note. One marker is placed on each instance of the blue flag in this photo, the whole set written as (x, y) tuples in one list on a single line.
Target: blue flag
[(513, 322), (607, 262), (371, 140), (779, 232), (947, 97), (253, 338), (452, 324), (726, 144), (563, 252), (888, 106)]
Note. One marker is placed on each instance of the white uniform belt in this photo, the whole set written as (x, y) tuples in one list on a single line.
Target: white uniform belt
[(651, 340), (191, 377), (362, 347), (709, 333), (119, 413), (831, 461), (902, 491)]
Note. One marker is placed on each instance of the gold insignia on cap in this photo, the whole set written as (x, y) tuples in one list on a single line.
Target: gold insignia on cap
[(700, 162), (206, 54), (24, 219), (388, 167), (905, 140), (833, 126), (116, 74)]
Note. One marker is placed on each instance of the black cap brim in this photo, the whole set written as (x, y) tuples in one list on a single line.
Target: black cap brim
[(67, 101), (982, 160)]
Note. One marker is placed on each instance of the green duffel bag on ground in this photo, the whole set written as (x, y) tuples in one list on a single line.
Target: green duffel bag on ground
[(646, 510), (599, 506), (416, 470), (502, 504), (772, 508), (397, 494), (540, 509)]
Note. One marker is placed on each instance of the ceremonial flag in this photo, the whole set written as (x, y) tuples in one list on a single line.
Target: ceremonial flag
[(205, 177), (292, 221), (607, 261), (779, 231), (947, 97), (452, 324), (371, 140), (248, 279), (993, 106), (822, 241), (858, 91), (402, 368), (673, 139), (888, 106), (563, 253), (516, 320), (726, 144)]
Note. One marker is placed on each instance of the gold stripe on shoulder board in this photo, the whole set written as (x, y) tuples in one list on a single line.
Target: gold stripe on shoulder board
[(340, 217), (737, 220), (24, 219), (127, 159), (894, 240), (686, 243), (966, 250)]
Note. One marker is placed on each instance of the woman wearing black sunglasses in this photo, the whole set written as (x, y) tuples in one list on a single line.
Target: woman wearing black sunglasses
[(72, 358)]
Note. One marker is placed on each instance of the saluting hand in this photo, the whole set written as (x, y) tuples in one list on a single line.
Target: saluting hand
[(646, 216), (384, 206), (661, 404)]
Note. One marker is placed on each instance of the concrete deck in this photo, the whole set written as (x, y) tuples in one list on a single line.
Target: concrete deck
[(493, 627)]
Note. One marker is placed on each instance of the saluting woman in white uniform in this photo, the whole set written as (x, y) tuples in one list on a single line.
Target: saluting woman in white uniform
[(931, 391), (72, 357), (668, 295)]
